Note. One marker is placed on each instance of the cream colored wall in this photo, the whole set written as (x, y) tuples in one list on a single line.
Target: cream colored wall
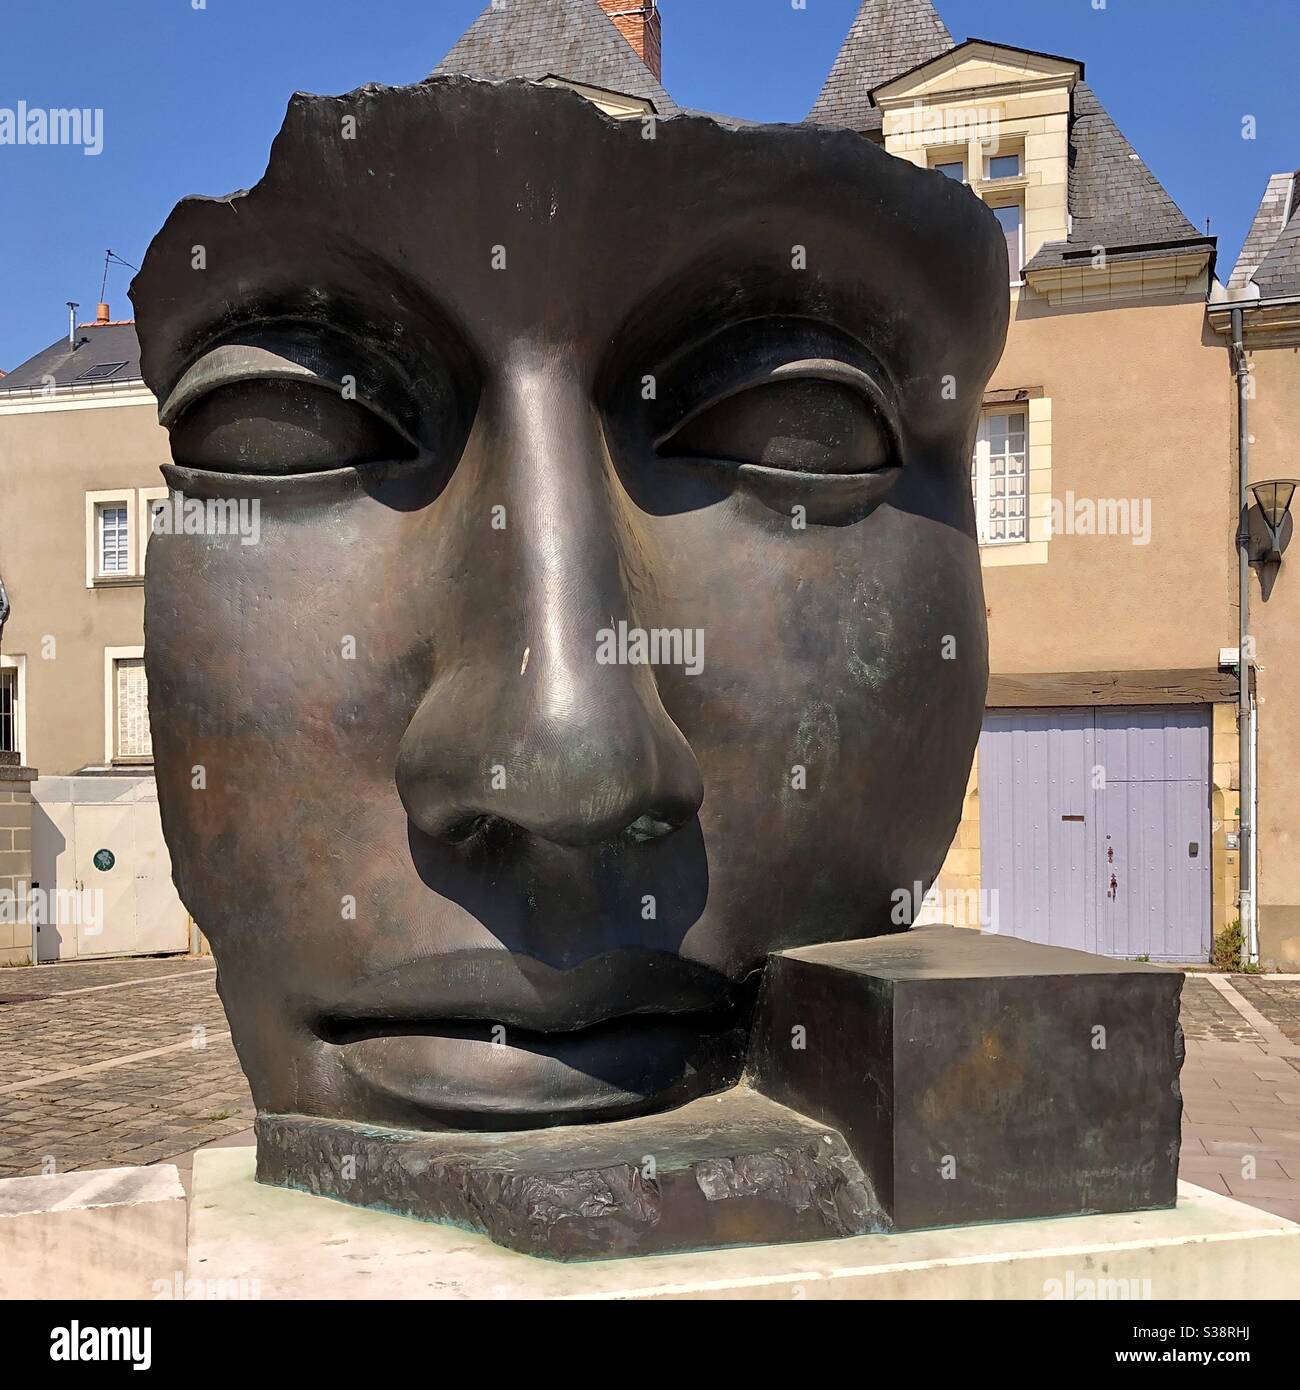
[(1274, 422), (1225, 817), (988, 105), (1140, 409), (1130, 398), (49, 460)]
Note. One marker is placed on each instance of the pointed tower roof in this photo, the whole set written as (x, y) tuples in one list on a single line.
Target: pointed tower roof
[(1279, 272), (1114, 194), (1115, 200), (1270, 257), (572, 39), (888, 37)]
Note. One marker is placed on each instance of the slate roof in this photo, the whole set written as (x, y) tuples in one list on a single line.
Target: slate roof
[(1115, 200), (1270, 257), (1280, 273), (99, 345), (574, 39), (888, 38), (1270, 218)]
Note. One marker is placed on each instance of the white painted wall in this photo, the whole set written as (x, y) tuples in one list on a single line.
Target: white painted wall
[(72, 818)]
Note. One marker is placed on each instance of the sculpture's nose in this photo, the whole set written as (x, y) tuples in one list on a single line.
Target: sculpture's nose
[(523, 722)]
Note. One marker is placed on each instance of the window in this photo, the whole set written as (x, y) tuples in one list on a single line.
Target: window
[(131, 738), (117, 534), (1000, 479), (1012, 221), (952, 169), (9, 711), (101, 371), (114, 539), (1003, 166)]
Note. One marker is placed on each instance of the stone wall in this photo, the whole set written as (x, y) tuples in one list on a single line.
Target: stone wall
[(15, 858)]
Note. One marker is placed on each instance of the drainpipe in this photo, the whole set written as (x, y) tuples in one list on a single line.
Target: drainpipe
[(1246, 838)]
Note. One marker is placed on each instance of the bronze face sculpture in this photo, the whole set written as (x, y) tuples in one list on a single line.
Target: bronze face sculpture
[(616, 615)]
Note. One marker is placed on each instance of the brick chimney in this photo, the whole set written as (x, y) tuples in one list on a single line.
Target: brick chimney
[(638, 22)]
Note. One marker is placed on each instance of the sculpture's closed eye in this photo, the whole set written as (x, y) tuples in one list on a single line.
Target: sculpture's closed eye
[(816, 433), (287, 400), (282, 426), (807, 425)]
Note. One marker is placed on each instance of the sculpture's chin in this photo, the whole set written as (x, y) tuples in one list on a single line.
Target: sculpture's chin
[(462, 1077)]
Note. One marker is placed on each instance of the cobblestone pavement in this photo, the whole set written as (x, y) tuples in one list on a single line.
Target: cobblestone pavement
[(123, 1062), (113, 1063), (1277, 1000), (1207, 1015)]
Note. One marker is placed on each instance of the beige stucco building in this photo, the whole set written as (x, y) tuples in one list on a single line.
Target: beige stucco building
[(80, 447), (1265, 288), (1102, 810)]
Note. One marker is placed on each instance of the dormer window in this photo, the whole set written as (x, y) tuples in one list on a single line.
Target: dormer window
[(1011, 217), (997, 118)]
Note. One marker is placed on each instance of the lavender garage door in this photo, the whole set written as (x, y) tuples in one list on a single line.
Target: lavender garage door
[(1095, 828)]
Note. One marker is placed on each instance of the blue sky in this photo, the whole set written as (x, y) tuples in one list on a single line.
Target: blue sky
[(192, 100)]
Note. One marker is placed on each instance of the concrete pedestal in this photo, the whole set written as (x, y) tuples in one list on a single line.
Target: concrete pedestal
[(106, 1233), (273, 1243)]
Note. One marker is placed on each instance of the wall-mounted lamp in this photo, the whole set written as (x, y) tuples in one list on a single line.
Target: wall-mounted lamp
[(1273, 498)]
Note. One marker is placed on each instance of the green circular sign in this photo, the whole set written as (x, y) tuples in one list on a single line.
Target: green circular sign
[(104, 860)]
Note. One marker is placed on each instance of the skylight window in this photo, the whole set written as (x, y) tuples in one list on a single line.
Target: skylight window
[(101, 371)]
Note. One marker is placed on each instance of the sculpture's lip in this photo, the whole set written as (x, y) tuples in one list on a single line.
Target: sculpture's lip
[(485, 1075), (523, 993), (490, 1027)]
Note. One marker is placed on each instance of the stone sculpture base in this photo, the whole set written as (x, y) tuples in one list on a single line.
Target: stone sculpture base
[(938, 1077), (273, 1244), (978, 1077), (734, 1169)]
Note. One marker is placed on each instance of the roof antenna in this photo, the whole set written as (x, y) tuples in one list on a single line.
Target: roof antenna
[(110, 258)]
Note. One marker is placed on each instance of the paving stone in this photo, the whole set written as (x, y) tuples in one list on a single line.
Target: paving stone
[(1277, 1000), (1260, 1149), (130, 1110), (1279, 1206), (1246, 1188), (1208, 1016), (1229, 1168), (1211, 1112), (1260, 1112)]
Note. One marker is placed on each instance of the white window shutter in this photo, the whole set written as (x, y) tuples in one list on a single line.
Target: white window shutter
[(133, 737), (982, 484)]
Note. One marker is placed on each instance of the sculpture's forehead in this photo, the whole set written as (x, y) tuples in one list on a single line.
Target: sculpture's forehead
[(519, 211)]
